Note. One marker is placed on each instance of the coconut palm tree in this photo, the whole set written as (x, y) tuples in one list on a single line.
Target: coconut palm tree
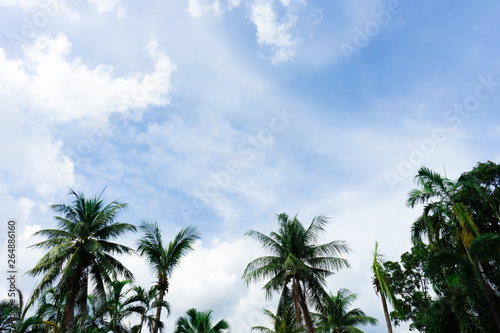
[(284, 319), (14, 316), (94, 319), (163, 260), (335, 316), (50, 308), (81, 249), (382, 287), (442, 199), (295, 259), (120, 306), (147, 300), (200, 322)]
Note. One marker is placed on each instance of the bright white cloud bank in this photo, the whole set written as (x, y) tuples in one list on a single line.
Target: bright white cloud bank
[(67, 89), (48, 85)]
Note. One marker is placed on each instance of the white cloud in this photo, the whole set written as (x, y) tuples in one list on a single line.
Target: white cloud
[(46, 86), (210, 8), (274, 31), (249, 310), (217, 163), (51, 82), (209, 278), (275, 34), (103, 6), (31, 159)]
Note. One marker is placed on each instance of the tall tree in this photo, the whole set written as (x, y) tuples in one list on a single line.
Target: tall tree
[(200, 322), (486, 206), (297, 260), (411, 285), (119, 305), (147, 300), (284, 320), (445, 213), (449, 220), (382, 287), (94, 320), (81, 250), (458, 278), (335, 316), (50, 308), (164, 259)]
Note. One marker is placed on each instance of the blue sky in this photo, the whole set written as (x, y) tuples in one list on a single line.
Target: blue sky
[(222, 113)]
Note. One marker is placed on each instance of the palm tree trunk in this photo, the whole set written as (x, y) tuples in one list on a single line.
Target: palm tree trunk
[(386, 313), (69, 315), (295, 295), (158, 311), (71, 293), (305, 310)]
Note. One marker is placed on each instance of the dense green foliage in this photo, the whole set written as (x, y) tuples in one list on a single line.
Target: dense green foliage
[(410, 284), (456, 251)]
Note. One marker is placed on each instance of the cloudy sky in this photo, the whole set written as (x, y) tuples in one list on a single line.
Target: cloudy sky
[(222, 113)]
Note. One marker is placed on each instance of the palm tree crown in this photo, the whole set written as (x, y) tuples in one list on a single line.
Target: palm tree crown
[(200, 322), (336, 317), (296, 259), (445, 213), (80, 249), (163, 260)]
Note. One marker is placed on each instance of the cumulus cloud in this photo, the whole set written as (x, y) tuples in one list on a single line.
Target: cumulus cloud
[(64, 88), (274, 34), (48, 86), (275, 21), (210, 278)]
